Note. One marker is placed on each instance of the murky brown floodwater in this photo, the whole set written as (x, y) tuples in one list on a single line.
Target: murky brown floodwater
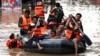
[(90, 19)]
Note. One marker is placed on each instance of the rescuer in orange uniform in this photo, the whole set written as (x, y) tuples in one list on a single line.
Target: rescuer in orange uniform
[(39, 10), (24, 22), (35, 31)]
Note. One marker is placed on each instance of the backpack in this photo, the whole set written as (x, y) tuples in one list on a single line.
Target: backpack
[(59, 13), (14, 44)]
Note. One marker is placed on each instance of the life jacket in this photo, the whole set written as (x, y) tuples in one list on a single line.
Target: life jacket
[(72, 30), (44, 28), (37, 32), (12, 43), (25, 22), (39, 11)]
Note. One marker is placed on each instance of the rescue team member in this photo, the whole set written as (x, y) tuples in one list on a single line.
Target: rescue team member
[(24, 22), (39, 11), (35, 32), (12, 42), (72, 31)]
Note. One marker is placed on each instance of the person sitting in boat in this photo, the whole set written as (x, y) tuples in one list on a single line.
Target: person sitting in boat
[(12, 42), (24, 22), (56, 15), (60, 30), (51, 21), (72, 31), (53, 34), (35, 31)]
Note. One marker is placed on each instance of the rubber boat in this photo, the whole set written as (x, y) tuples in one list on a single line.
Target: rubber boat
[(55, 46)]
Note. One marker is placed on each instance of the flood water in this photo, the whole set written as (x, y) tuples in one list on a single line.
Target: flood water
[(91, 25)]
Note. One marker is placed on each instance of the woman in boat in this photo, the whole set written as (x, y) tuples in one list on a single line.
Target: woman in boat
[(72, 31)]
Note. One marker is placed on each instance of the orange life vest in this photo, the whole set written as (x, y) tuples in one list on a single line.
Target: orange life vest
[(44, 28), (39, 11), (10, 41), (25, 22), (69, 32), (37, 32)]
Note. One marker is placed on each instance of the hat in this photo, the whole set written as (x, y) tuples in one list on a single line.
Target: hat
[(39, 3)]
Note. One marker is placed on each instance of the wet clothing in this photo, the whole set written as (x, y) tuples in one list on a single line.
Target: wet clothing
[(73, 31), (12, 43)]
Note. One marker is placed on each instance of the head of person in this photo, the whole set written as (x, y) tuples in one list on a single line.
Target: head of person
[(26, 13), (53, 33), (35, 19), (78, 16), (57, 5), (70, 16), (60, 28), (39, 3), (12, 36)]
